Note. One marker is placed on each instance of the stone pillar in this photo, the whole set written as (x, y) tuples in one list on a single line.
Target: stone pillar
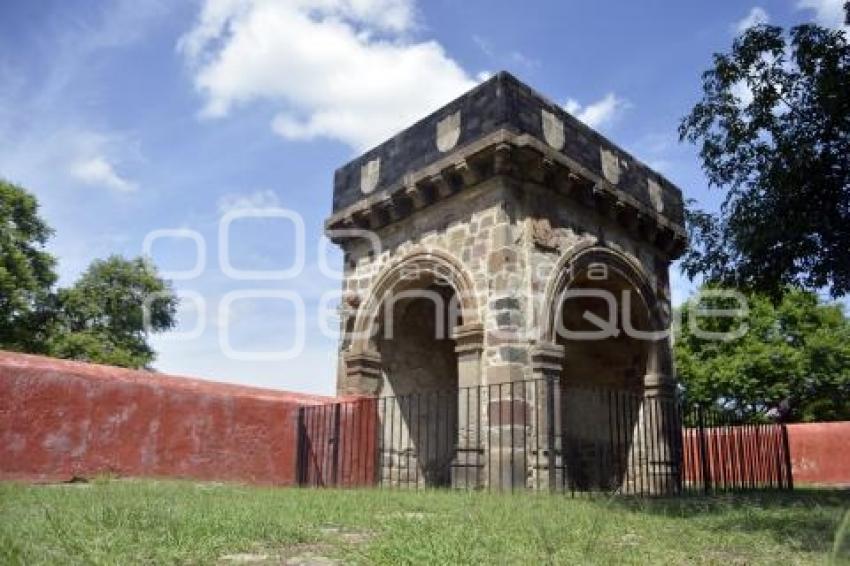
[(660, 435), (362, 373), (545, 453), (467, 464)]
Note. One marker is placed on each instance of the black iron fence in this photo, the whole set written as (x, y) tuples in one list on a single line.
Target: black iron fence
[(538, 434)]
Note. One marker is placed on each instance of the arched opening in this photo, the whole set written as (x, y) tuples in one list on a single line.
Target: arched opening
[(600, 310), (603, 322), (419, 381), (415, 338)]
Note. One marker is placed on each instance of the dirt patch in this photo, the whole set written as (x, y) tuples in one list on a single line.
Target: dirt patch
[(311, 559), (245, 558), (407, 515), (306, 554), (296, 555), (348, 536)]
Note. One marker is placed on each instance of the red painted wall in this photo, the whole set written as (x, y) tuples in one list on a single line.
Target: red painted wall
[(820, 453), (59, 419)]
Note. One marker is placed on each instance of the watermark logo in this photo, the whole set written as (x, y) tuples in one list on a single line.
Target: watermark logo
[(331, 299)]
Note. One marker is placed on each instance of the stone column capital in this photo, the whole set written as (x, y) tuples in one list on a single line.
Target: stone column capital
[(469, 338), (547, 359), (362, 373), (659, 384)]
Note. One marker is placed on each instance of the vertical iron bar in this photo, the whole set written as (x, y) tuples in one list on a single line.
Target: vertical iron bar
[(465, 449), (402, 441), (417, 445), (703, 447), (501, 440), (489, 438), (511, 394), (611, 468), (776, 448), (524, 434), (335, 453), (786, 451), (389, 449), (622, 442), (478, 436), (299, 461), (654, 468), (550, 429)]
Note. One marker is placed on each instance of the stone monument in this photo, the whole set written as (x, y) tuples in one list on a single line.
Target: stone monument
[(480, 245)]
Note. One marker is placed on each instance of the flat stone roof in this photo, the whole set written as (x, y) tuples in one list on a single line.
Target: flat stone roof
[(502, 103)]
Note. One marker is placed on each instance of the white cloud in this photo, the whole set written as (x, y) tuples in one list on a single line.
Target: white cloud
[(339, 69), (240, 201), (600, 113), (98, 172), (572, 106), (756, 17), (828, 13)]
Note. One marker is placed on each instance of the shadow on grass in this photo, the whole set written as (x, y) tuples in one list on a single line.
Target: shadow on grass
[(807, 519), (722, 503)]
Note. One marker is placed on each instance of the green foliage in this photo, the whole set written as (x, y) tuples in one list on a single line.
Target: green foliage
[(792, 363), (101, 318), (783, 156), (26, 270)]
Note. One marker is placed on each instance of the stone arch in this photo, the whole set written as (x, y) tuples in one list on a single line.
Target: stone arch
[(615, 414), (577, 260), (361, 371), (392, 279)]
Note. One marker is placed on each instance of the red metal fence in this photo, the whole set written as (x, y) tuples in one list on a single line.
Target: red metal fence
[(734, 457)]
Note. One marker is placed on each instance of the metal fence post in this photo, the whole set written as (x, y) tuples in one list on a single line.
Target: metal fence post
[(300, 449), (786, 449), (703, 450), (335, 450), (550, 429)]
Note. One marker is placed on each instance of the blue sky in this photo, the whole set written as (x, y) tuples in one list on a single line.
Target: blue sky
[(126, 117)]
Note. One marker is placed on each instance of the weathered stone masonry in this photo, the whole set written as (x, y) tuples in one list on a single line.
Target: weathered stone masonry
[(498, 203)]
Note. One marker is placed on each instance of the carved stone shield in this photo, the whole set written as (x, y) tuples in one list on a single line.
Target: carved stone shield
[(448, 131), (655, 195), (553, 129), (369, 174), (610, 165)]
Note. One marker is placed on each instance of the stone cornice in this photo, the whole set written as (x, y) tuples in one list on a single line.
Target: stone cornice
[(519, 156)]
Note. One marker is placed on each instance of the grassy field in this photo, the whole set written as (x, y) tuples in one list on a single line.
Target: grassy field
[(129, 521)]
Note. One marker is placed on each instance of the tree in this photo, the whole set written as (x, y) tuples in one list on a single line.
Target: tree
[(104, 317), (107, 315), (773, 127), (26, 270), (793, 363)]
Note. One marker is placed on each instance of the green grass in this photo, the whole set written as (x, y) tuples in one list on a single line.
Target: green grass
[(144, 521)]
